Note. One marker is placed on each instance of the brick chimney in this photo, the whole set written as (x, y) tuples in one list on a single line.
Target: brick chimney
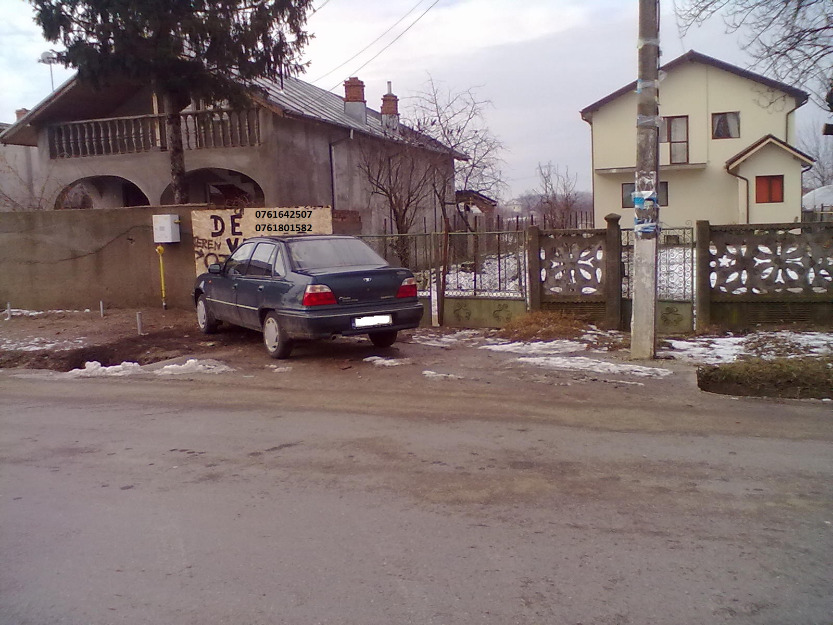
[(354, 102), (21, 113), (390, 111)]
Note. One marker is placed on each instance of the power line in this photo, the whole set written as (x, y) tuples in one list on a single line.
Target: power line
[(399, 21), (323, 4), (395, 39)]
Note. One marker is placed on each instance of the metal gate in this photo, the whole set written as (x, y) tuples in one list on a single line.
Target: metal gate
[(675, 278)]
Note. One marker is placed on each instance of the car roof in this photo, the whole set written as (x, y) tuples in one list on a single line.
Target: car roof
[(295, 237)]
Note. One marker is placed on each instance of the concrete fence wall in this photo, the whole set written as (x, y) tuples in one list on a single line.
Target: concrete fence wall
[(73, 259)]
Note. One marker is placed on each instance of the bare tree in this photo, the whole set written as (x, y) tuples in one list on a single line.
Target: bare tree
[(790, 40), (558, 195), (820, 148), (456, 120), (403, 174), (20, 192)]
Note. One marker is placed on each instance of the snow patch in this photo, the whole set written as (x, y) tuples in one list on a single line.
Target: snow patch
[(35, 344), (723, 349), (387, 362), (95, 369), (192, 365), (541, 348), (582, 363), (441, 376)]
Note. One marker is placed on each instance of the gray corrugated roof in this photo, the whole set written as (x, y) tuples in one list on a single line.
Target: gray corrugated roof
[(302, 99)]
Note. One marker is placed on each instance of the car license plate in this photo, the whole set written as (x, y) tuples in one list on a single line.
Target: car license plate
[(372, 322)]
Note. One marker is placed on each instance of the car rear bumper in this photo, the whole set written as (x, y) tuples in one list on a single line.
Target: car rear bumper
[(315, 324)]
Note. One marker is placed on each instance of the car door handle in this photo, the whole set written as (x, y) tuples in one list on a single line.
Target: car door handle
[(260, 288), (234, 287)]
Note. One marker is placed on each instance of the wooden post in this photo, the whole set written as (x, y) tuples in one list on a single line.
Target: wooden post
[(613, 273), (702, 267), (533, 268)]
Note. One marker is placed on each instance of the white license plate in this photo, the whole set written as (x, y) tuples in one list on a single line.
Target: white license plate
[(372, 322)]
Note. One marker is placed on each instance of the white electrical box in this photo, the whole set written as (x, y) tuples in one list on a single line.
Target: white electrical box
[(166, 228)]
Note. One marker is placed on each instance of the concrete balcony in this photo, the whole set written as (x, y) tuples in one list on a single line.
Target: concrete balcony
[(211, 129)]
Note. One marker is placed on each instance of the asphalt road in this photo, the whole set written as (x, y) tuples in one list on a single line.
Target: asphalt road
[(347, 498)]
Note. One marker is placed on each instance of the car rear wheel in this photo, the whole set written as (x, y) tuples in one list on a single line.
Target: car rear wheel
[(278, 344), (205, 318), (383, 339)]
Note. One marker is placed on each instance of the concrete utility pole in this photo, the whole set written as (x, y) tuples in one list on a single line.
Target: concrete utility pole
[(646, 205)]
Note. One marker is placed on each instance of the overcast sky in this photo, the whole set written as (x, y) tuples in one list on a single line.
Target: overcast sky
[(538, 61)]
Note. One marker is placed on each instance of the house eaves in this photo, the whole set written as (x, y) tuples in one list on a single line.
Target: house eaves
[(696, 57), (738, 159), (293, 98), (72, 101)]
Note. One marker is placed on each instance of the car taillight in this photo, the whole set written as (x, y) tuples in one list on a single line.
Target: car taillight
[(408, 288), (318, 295)]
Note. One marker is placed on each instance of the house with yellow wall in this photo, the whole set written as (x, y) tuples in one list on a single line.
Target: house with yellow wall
[(726, 146)]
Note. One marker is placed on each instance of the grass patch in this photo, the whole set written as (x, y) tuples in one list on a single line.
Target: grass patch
[(543, 326), (791, 378)]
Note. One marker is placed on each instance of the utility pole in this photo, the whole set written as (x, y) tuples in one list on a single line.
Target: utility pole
[(646, 205)]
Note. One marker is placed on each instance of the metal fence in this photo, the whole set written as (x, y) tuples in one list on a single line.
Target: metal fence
[(477, 264), (675, 264), (486, 264)]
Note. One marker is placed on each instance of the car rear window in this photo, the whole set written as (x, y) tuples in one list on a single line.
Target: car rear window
[(326, 253)]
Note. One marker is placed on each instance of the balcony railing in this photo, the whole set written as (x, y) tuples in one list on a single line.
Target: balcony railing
[(220, 128)]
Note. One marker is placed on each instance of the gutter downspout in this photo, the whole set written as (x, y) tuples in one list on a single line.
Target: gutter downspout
[(332, 166), (746, 180)]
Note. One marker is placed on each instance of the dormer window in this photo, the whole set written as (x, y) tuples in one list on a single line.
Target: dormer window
[(726, 125)]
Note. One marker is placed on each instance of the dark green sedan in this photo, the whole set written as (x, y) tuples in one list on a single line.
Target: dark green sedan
[(308, 287)]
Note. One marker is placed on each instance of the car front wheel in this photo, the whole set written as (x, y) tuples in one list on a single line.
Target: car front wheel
[(278, 344), (205, 318), (383, 339)]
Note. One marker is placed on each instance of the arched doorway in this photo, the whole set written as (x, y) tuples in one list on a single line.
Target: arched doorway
[(219, 187), (101, 192)]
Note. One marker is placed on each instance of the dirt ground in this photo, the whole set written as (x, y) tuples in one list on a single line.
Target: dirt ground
[(490, 491), (433, 370)]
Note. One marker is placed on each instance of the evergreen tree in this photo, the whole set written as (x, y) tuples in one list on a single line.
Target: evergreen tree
[(202, 49)]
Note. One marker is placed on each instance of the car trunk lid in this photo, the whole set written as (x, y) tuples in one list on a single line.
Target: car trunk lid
[(352, 285)]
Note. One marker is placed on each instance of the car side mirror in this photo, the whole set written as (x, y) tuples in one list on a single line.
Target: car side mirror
[(215, 268)]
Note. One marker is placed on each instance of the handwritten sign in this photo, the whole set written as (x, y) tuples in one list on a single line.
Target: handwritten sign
[(217, 233)]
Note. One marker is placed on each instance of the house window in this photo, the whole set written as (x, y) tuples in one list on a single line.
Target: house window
[(674, 131), (726, 125), (629, 187), (769, 189)]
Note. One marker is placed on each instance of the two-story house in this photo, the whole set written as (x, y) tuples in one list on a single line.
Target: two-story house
[(295, 145), (726, 153)]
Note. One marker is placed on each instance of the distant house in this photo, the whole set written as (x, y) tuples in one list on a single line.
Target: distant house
[(727, 150), (294, 145)]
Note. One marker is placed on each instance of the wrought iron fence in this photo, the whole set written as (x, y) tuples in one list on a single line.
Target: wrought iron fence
[(477, 264), (488, 264), (675, 264)]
